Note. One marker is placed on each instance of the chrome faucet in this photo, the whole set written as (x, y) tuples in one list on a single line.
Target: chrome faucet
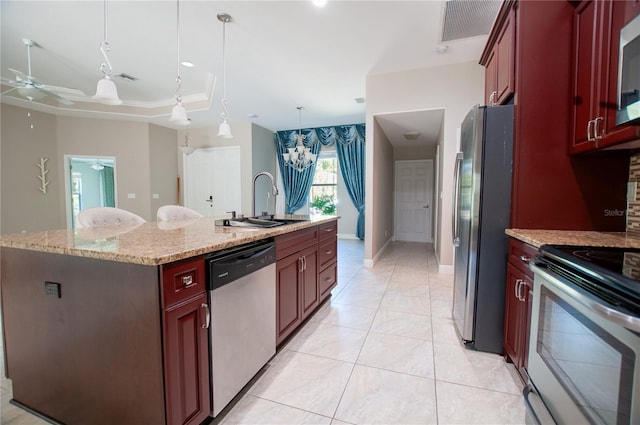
[(274, 190)]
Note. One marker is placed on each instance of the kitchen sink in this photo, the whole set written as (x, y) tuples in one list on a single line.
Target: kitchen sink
[(262, 221)]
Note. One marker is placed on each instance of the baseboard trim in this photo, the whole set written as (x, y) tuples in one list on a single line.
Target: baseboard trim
[(348, 236), (372, 262)]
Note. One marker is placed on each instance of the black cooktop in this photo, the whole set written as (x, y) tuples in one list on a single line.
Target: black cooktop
[(613, 270)]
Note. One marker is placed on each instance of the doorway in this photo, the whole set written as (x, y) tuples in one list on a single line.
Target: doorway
[(90, 182), (414, 201), (212, 184)]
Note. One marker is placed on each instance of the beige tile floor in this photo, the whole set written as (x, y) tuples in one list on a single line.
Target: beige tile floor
[(383, 350)]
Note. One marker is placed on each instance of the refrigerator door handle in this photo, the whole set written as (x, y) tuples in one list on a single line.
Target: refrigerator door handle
[(456, 191)]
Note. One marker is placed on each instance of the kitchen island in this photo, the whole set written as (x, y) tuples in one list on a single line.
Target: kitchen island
[(108, 325)]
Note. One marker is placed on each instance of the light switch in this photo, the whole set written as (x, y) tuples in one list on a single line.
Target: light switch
[(131, 195), (156, 196), (632, 191)]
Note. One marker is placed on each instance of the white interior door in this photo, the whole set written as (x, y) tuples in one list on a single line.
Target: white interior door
[(414, 199), (212, 181)]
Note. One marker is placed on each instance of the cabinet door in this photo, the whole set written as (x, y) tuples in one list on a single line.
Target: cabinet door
[(309, 281), (505, 69), (511, 315), (186, 342), (586, 69), (490, 79), (288, 311)]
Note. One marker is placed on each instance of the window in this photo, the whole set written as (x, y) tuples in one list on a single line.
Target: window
[(323, 195)]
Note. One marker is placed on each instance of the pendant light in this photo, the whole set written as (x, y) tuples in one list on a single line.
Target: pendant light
[(106, 91), (224, 130), (178, 113), (187, 149), (299, 157)]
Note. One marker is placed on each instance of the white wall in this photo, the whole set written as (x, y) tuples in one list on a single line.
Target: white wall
[(455, 88)]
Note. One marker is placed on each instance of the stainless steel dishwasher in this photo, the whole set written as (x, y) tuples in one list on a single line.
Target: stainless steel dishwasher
[(242, 294)]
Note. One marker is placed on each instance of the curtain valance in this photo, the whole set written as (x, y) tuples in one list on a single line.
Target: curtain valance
[(349, 141)]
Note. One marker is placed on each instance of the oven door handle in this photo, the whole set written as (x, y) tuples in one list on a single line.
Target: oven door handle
[(600, 307), (539, 412)]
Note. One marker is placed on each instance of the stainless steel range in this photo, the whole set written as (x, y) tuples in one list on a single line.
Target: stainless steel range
[(585, 337)]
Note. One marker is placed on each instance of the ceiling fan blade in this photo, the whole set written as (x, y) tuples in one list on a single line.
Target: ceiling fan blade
[(8, 91), (19, 75), (49, 93), (12, 83)]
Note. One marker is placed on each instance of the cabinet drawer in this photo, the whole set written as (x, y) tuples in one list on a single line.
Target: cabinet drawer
[(327, 252), (327, 280), (328, 230), (295, 241), (182, 279), (520, 254)]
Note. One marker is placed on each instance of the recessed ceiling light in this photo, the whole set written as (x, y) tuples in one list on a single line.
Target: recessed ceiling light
[(359, 99), (320, 3), (187, 64), (412, 135), (442, 48)]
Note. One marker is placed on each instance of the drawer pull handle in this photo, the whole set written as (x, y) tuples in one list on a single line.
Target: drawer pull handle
[(328, 230), (187, 280), (328, 252), (525, 259), (328, 279)]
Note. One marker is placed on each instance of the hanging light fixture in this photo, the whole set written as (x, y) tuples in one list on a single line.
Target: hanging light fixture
[(225, 129), (186, 148), (178, 113), (106, 91), (299, 157)]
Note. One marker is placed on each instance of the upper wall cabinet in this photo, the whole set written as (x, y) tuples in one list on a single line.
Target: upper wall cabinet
[(499, 60), (597, 25)]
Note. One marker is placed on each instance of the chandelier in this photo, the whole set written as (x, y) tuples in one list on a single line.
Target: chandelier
[(299, 157)]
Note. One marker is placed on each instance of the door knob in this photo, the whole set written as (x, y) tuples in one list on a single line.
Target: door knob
[(425, 206)]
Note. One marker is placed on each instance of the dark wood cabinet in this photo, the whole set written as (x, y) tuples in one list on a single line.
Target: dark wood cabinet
[(305, 274), (297, 292), (309, 280), (545, 175), (288, 295), (499, 60), (597, 25), (186, 342), (327, 258), (187, 361), (518, 296)]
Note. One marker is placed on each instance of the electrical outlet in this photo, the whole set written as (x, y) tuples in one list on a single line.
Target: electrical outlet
[(52, 289)]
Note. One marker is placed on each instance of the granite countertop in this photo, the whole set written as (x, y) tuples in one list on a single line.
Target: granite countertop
[(150, 243), (537, 238)]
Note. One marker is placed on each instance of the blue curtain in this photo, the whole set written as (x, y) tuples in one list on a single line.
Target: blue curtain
[(350, 148), (296, 183), (351, 155)]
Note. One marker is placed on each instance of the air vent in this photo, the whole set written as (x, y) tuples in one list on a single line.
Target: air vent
[(127, 77), (468, 18)]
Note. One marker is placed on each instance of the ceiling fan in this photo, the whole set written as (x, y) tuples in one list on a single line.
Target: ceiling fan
[(28, 86)]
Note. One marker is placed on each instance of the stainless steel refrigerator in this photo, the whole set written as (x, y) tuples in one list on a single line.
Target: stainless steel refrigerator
[(482, 199)]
